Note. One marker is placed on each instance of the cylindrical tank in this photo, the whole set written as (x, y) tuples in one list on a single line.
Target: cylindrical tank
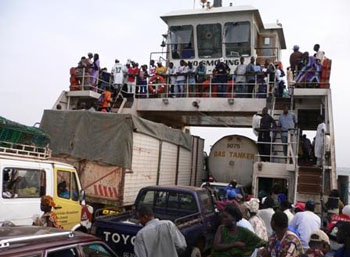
[(232, 157)]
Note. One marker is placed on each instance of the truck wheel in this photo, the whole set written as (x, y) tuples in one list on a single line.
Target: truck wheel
[(196, 252)]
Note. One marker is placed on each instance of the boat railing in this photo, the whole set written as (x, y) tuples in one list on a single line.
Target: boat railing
[(164, 87), (311, 78), (277, 151), (259, 85)]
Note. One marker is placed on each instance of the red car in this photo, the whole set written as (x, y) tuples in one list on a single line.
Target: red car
[(30, 241)]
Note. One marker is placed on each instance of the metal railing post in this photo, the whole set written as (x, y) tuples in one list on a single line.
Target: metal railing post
[(210, 84), (83, 80)]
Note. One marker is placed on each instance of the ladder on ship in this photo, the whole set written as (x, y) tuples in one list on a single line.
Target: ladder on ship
[(122, 102), (312, 182), (278, 104)]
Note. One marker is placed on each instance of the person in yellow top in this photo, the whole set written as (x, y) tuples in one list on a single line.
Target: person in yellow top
[(161, 70)]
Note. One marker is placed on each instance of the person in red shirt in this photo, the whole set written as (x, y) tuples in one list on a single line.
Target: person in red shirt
[(133, 72), (335, 218)]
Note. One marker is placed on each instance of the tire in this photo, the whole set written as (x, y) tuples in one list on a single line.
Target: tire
[(196, 252)]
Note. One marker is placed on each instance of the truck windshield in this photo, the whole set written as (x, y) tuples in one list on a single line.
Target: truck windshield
[(209, 41), (181, 42), (237, 39)]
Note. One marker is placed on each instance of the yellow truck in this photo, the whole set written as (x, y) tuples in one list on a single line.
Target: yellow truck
[(27, 173)]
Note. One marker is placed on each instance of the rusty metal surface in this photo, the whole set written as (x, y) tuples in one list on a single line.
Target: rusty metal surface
[(102, 181)]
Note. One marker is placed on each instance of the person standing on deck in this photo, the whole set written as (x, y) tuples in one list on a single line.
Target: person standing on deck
[(319, 55), (95, 72), (171, 80), (152, 69), (191, 79), (157, 238), (222, 70), (201, 76), (180, 80), (320, 141), (266, 125), (250, 76), (118, 76), (295, 58), (240, 79), (287, 121)]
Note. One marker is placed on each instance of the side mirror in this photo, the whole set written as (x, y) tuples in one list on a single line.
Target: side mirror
[(82, 196)]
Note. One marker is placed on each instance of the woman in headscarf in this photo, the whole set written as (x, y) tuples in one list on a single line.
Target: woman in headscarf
[(49, 218), (232, 240), (257, 223)]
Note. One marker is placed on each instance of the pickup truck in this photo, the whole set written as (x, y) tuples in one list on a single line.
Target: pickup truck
[(190, 208)]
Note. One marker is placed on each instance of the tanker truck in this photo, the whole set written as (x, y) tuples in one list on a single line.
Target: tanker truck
[(236, 157), (232, 158)]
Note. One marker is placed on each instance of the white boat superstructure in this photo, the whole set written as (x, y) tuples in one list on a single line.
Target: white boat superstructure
[(207, 35)]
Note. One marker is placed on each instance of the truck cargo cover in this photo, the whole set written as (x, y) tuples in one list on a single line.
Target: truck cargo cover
[(103, 137)]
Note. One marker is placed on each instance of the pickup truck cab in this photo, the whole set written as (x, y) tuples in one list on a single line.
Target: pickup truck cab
[(190, 208), (26, 175)]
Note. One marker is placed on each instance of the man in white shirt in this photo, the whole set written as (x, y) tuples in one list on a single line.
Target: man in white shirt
[(240, 79), (266, 214), (158, 238), (319, 53), (319, 141), (118, 76), (171, 72), (180, 80), (285, 206), (306, 222)]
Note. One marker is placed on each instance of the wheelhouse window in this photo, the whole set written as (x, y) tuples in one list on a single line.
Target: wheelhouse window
[(181, 42), (267, 47), (209, 41), (237, 39)]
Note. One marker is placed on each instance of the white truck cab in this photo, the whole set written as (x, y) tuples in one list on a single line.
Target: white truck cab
[(26, 177)]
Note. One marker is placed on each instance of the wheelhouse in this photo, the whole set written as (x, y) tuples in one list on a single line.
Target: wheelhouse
[(209, 34)]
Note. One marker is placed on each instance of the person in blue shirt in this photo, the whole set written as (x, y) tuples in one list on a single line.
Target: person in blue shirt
[(62, 190), (232, 187)]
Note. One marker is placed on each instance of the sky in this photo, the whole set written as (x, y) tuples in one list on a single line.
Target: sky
[(40, 40)]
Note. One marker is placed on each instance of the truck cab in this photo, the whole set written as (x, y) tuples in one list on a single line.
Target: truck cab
[(26, 176)]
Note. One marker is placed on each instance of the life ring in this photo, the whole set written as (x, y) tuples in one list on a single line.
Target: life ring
[(161, 84)]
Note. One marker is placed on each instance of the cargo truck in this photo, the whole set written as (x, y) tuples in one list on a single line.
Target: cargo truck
[(118, 154)]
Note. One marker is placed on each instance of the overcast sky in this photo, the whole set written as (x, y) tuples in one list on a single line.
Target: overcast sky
[(41, 39)]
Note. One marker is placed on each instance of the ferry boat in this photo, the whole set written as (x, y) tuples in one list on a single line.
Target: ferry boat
[(207, 35)]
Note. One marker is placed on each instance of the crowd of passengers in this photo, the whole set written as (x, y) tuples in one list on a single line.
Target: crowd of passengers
[(186, 80), (271, 226)]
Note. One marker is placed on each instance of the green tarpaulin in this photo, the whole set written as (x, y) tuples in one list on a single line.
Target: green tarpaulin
[(103, 137), (14, 132)]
